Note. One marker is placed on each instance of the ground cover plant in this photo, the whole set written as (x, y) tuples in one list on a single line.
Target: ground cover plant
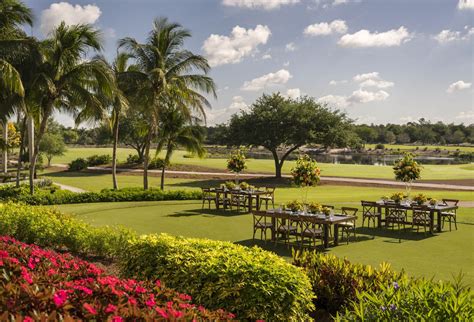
[(38, 284)]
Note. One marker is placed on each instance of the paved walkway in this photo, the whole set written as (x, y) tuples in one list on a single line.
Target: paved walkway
[(326, 179), (69, 188)]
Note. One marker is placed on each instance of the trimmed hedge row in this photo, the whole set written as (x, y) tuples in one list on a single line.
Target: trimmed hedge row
[(54, 196), (250, 282)]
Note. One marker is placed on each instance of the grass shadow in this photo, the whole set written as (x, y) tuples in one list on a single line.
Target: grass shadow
[(210, 183), (207, 213), (405, 233)]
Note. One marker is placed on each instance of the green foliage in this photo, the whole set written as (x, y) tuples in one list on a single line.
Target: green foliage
[(250, 282), (95, 160), (157, 163), (306, 172), (380, 146), (407, 169), (133, 159), (78, 164), (57, 197), (413, 300), (336, 281), (51, 145)]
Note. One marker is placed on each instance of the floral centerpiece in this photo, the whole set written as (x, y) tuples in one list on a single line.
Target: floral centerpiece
[(420, 199), (305, 174), (433, 202), (327, 211), (236, 163), (230, 185), (294, 206), (407, 170), (244, 185), (315, 207), (397, 196)]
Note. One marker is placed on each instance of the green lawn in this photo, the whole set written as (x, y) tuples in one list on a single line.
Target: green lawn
[(430, 172), (440, 256)]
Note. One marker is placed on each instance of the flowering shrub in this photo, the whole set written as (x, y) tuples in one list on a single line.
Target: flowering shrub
[(41, 284), (337, 281), (236, 162), (413, 300), (306, 173), (250, 282)]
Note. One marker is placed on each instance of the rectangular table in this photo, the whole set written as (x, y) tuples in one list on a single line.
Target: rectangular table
[(250, 194), (321, 219), (438, 209)]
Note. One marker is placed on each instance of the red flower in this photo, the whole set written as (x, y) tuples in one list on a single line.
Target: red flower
[(140, 289), (90, 308), (161, 312), (151, 301), (158, 283), (132, 300), (60, 297), (185, 297), (3, 253), (26, 275), (110, 308), (117, 319)]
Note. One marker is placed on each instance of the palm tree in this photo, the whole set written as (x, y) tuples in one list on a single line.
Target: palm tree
[(165, 70), (178, 130), (66, 81)]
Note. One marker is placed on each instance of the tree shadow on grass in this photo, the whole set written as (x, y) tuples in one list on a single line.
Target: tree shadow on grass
[(68, 174), (215, 182), (207, 213), (394, 235)]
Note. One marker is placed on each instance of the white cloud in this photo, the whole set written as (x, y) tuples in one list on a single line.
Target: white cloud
[(363, 96), (365, 38), (222, 115), (259, 4), (272, 79), (338, 2), (290, 47), (335, 82), (447, 36), (266, 56), (466, 117), (293, 93), (324, 28), (465, 4), (70, 14), (458, 86), (232, 49), (372, 79), (334, 100)]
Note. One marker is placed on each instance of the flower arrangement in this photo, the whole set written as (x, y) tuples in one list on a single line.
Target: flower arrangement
[(433, 202), (306, 173), (407, 170), (244, 185), (39, 284), (230, 185), (314, 207), (236, 163), (294, 205), (385, 198), (397, 196), (327, 211), (420, 199)]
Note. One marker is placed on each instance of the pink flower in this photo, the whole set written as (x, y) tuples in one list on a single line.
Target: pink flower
[(117, 319), (185, 297), (26, 275), (178, 314), (86, 290), (60, 297), (90, 308), (28, 319), (110, 308), (158, 283), (132, 300), (161, 312), (151, 301), (51, 271), (3, 253), (139, 289)]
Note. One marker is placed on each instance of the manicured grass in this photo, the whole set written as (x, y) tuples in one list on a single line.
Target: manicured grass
[(422, 147), (437, 256), (430, 172)]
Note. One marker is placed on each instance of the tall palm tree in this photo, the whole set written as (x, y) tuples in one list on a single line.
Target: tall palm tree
[(178, 130), (65, 80), (167, 70)]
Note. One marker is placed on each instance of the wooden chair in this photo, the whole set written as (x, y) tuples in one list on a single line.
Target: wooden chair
[(222, 199), (421, 217), (451, 214), (396, 216), (262, 221), (330, 207), (348, 227), (284, 227), (238, 199), (370, 212), (269, 196), (207, 196), (309, 231)]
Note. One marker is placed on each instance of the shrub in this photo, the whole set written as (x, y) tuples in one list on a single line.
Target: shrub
[(250, 282), (133, 159), (53, 196), (336, 281), (78, 164), (157, 163), (96, 159), (380, 146), (413, 300), (42, 284)]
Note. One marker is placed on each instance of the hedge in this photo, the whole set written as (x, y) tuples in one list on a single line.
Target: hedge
[(250, 282), (42, 285), (54, 196)]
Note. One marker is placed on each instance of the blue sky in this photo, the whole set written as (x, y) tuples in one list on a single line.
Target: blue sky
[(379, 60)]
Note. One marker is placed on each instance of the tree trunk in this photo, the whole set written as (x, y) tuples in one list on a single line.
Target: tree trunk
[(277, 164), (114, 153), (20, 153), (31, 147), (34, 155), (5, 152), (162, 183), (146, 159)]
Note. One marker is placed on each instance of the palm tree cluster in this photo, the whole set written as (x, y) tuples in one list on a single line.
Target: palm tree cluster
[(66, 72)]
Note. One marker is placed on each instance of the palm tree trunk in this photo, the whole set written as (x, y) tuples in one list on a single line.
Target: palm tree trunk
[(162, 183), (146, 159), (34, 155), (5, 152), (20, 153), (31, 147), (114, 153)]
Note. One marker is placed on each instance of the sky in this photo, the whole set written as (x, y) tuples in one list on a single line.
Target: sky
[(381, 61)]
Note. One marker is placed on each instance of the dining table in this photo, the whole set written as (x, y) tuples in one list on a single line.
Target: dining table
[(251, 194), (318, 218), (437, 209)]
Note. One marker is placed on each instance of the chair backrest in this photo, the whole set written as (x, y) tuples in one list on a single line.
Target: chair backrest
[(328, 206), (206, 192), (450, 202), (270, 190), (348, 211)]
